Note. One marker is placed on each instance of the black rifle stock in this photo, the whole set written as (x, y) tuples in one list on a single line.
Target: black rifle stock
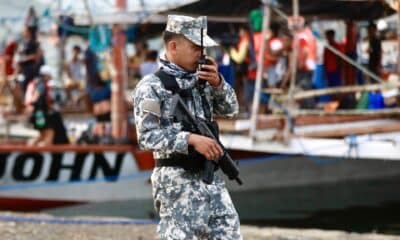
[(225, 162)]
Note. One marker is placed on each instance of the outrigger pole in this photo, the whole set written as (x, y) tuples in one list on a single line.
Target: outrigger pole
[(260, 68), (293, 70)]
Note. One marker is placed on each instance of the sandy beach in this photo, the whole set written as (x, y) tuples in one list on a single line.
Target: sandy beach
[(17, 226)]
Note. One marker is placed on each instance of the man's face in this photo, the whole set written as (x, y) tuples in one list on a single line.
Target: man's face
[(187, 54)]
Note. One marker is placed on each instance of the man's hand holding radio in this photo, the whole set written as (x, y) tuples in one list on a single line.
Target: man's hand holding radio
[(209, 72)]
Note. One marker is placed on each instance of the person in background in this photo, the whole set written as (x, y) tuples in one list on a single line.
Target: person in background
[(43, 116), (332, 64), (76, 78), (32, 22), (253, 43), (274, 48), (332, 61), (271, 55), (306, 63), (240, 55), (29, 59), (150, 65), (141, 51), (284, 63), (101, 99), (349, 72), (91, 63), (375, 49)]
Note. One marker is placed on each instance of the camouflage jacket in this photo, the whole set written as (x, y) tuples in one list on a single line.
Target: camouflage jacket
[(155, 128)]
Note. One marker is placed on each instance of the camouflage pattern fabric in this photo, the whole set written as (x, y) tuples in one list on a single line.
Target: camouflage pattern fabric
[(156, 130), (191, 209), (190, 28), (188, 208)]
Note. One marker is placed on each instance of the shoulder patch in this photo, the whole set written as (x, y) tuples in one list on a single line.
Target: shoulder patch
[(151, 106)]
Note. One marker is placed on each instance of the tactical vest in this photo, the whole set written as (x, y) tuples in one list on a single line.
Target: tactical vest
[(194, 161)]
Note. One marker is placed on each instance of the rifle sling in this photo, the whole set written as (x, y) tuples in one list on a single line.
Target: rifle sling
[(171, 84)]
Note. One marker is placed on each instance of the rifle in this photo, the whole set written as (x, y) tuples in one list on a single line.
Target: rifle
[(209, 166), (227, 165)]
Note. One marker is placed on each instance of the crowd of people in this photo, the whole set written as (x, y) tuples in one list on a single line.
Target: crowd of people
[(85, 83), (25, 64), (278, 61), (84, 80)]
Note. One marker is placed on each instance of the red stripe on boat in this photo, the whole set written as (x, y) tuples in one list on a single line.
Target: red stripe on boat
[(144, 160), (29, 204)]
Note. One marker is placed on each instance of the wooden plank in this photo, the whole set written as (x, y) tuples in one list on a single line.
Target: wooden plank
[(242, 125), (386, 111), (336, 133), (330, 119), (274, 91), (340, 90), (277, 121)]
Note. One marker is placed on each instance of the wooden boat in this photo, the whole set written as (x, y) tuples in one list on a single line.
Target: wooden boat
[(292, 180), (319, 170), (37, 178)]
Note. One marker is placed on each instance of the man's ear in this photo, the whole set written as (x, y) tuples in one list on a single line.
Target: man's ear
[(172, 46)]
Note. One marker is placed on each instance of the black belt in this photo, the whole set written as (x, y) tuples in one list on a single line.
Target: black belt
[(183, 161)]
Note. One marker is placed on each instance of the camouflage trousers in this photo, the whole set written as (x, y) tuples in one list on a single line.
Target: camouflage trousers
[(191, 209)]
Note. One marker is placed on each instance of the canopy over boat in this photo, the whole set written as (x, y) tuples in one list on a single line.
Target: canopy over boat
[(336, 9)]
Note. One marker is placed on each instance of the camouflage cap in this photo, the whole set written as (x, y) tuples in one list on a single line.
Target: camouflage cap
[(190, 28)]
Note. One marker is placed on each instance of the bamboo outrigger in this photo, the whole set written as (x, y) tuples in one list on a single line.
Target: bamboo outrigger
[(332, 90)]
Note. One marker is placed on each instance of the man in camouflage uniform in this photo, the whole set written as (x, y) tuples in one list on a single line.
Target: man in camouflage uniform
[(188, 208)]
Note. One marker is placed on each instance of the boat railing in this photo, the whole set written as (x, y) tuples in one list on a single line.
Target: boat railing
[(303, 94)]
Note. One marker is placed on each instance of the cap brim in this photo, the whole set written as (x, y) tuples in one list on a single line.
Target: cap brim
[(207, 40)]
